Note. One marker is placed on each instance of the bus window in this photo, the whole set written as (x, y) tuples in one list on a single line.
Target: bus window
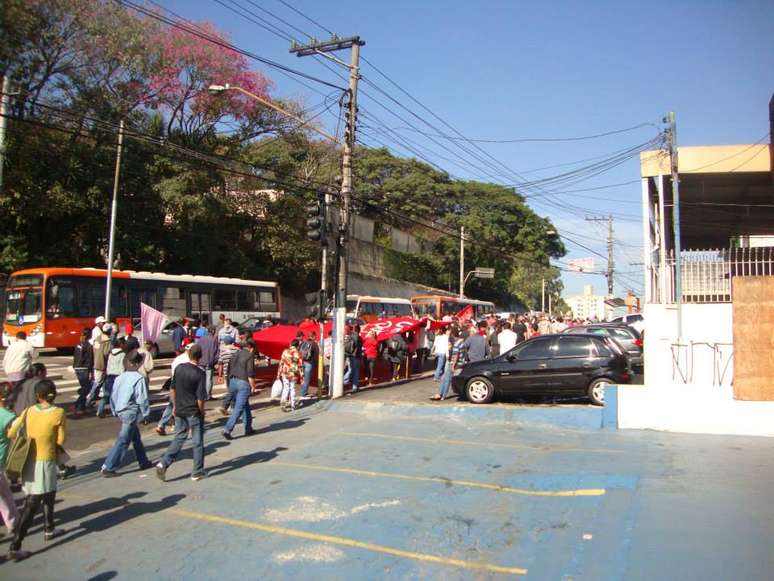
[(224, 299), (61, 298), (268, 300), (243, 302), (24, 306), (425, 309), (172, 301), (402, 310), (137, 296), (450, 308), (91, 298)]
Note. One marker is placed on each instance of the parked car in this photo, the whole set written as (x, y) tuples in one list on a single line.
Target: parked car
[(563, 365), (634, 320), (163, 345), (627, 336)]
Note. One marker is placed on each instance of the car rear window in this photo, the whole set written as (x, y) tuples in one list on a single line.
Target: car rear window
[(575, 347), (622, 334)]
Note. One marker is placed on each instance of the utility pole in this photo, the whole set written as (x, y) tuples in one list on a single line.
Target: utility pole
[(113, 211), (4, 106), (543, 302), (672, 136), (610, 251), (462, 261), (340, 306)]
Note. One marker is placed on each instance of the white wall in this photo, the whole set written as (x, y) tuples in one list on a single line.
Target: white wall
[(693, 409), (693, 362)]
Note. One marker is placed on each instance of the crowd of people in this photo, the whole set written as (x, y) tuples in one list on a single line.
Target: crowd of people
[(114, 370)]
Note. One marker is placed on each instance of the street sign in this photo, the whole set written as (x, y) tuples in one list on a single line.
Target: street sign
[(483, 272), (581, 264)]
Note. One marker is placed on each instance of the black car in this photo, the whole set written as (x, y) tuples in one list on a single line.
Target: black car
[(627, 336), (565, 365)]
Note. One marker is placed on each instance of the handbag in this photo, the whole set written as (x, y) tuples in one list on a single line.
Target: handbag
[(276, 389), (19, 450)]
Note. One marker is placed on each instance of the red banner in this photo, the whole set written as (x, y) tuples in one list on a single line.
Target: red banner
[(274, 340), (465, 314)]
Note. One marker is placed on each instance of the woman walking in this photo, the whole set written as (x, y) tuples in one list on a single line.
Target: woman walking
[(45, 427)]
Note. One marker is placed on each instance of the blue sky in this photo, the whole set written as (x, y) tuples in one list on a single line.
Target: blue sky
[(513, 70)]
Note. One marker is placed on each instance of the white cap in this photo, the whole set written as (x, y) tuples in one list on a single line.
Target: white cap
[(99, 320)]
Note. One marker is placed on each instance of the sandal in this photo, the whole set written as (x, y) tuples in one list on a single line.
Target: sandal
[(436, 398)]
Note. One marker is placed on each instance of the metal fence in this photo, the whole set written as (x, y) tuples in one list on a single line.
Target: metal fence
[(708, 274)]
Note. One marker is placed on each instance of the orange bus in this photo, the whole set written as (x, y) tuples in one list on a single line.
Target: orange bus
[(53, 305), (438, 306), (370, 309)]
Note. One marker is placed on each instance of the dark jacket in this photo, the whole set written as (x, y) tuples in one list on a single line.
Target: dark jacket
[(178, 334), (83, 356), (210, 350), (395, 353)]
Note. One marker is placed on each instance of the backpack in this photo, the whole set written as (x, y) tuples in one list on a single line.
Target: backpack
[(393, 346), (349, 345), (307, 351)]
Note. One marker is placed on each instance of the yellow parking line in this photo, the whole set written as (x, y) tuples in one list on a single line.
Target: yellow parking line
[(346, 542), (545, 448), (445, 481)]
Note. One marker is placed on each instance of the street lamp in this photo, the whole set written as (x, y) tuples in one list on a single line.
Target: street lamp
[(218, 89)]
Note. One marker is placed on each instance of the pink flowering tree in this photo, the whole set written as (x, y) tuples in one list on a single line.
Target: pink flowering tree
[(186, 66)]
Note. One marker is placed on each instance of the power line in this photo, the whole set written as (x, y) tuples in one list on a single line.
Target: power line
[(535, 139), (222, 43)]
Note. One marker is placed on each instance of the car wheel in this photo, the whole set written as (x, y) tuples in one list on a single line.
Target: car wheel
[(597, 390), (479, 390)]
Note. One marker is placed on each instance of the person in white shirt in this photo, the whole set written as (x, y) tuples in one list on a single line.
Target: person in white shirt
[(18, 358), (507, 339), (440, 350)]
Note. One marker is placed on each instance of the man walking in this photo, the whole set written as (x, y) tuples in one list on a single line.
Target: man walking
[(353, 350), (188, 394), (100, 342), (129, 401), (18, 359), (210, 348), (310, 352), (476, 347), (83, 365), (507, 338), (178, 334), (241, 377)]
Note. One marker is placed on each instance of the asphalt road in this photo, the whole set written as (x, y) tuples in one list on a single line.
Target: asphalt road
[(364, 494)]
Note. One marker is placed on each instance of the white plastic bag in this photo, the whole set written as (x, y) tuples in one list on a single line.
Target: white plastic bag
[(276, 389)]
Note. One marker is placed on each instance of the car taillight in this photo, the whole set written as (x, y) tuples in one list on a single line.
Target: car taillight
[(625, 376), (638, 342)]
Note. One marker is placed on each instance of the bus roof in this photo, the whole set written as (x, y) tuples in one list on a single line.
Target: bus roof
[(141, 275), (369, 298), (464, 300)]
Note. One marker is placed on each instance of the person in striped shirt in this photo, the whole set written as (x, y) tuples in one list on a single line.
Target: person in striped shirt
[(227, 350)]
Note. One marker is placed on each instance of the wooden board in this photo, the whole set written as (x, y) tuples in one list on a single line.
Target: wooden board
[(753, 307)]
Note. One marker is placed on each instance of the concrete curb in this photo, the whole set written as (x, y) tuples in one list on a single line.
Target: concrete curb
[(586, 418)]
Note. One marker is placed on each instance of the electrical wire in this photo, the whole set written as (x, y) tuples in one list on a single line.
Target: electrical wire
[(222, 43)]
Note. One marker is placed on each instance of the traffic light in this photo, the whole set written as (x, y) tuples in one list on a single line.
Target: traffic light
[(315, 212)]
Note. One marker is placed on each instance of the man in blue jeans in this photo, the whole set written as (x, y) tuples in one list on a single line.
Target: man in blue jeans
[(83, 365), (129, 401), (187, 394), (241, 372), (310, 352)]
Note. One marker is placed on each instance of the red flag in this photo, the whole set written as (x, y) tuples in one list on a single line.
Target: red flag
[(386, 328), (466, 313)]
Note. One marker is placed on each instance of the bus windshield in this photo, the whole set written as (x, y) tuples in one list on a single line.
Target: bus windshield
[(23, 306)]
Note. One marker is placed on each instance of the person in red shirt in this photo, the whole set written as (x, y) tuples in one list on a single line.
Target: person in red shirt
[(371, 352)]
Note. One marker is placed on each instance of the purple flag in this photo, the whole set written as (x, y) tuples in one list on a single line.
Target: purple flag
[(152, 322)]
